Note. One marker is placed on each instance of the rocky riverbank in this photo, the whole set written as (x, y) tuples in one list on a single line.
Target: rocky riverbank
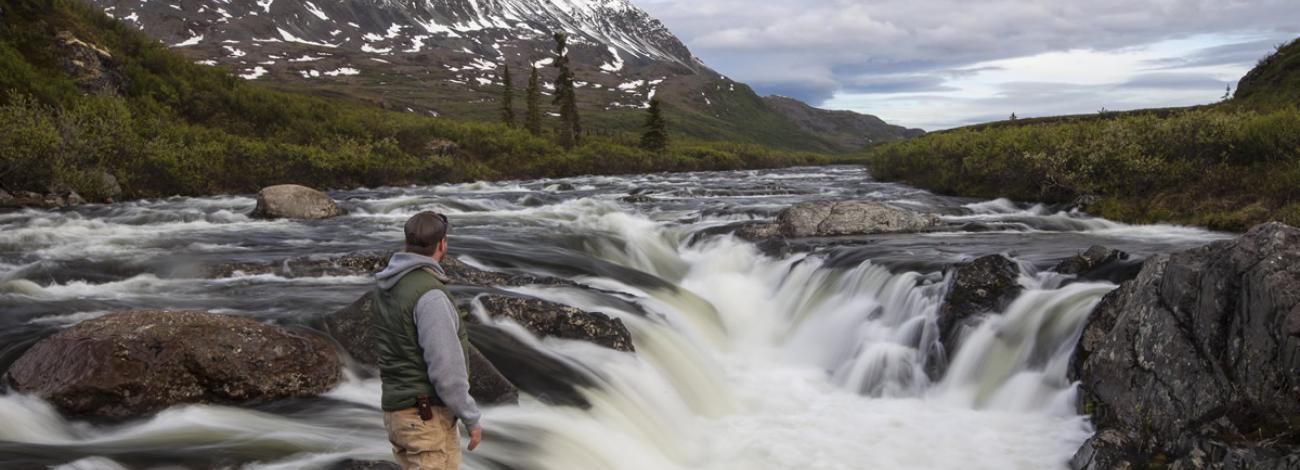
[(1196, 362)]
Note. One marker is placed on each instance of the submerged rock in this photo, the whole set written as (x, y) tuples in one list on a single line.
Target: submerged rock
[(1098, 262), (352, 464), (1196, 362), (291, 201), (987, 284), (360, 263), (755, 231), (126, 364), (831, 218), (363, 263)]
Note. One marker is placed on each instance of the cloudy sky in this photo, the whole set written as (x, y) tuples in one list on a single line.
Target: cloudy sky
[(937, 64)]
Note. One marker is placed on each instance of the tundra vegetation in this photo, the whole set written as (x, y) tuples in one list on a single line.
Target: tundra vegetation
[(1226, 166)]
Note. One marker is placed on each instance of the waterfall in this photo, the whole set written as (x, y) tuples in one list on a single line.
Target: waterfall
[(744, 360)]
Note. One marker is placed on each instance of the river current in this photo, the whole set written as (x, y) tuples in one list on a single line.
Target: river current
[(810, 358)]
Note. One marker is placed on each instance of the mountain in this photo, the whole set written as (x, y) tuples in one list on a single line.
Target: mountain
[(445, 57), (846, 128), (94, 107)]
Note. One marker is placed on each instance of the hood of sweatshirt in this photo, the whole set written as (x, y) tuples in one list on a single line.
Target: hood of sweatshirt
[(402, 263)]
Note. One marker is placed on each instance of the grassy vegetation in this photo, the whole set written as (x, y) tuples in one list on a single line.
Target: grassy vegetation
[(173, 127), (1225, 166)]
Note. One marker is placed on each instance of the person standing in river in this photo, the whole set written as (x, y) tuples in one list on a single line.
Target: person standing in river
[(423, 351)]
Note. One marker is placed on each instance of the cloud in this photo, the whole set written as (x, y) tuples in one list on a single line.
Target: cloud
[(927, 52)]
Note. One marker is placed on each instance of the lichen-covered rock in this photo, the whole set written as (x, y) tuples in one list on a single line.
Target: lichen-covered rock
[(127, 364), (1197, 360), (987, 284), (291, 201), (831, 218), (549, 319)]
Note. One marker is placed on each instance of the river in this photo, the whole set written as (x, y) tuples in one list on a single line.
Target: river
[(807, 359)]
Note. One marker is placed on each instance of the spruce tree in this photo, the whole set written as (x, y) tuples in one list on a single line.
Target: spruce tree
[(507, 98), (533, 102), (570, 131), (655, 137)]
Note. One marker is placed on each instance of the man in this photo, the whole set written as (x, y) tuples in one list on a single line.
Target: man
[(423, 351)]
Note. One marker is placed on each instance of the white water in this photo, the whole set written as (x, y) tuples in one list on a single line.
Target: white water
[(753, 362)]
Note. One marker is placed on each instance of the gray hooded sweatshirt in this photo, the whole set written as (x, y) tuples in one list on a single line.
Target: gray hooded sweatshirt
[(435, 322)]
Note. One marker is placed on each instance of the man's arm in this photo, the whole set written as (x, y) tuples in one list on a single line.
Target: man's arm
[(435, 322)]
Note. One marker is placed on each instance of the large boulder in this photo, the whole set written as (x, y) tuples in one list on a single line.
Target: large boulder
[(832, 218), (1196, 362), (126, 364), (291, 201), (351, 327), (549, 319), (987, 284)]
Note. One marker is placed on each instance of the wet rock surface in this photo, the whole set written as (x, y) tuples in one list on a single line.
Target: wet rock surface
[(987, 284), (127, 364), (1099, 263), (833, 218), (363, 263), (291, 201), (1196, 362), (549, 319)]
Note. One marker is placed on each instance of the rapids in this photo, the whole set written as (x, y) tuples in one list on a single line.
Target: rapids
[(745, 360)]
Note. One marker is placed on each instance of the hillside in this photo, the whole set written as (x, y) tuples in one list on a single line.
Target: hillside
[(99, 108), (846, 129), (446, 58), (1227, 166)]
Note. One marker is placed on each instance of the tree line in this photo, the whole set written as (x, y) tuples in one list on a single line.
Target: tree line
[(568, 132)]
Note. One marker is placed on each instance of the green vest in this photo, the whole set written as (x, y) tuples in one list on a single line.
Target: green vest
[(402, 370)]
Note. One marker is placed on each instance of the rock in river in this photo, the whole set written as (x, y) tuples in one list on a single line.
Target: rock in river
[(291, 201), (1196, 362), (832, 218), (987, 284), (1099, 262), (549, 319), (126, 364)]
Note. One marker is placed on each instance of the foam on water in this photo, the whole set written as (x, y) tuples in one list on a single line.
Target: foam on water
[(744, 360)]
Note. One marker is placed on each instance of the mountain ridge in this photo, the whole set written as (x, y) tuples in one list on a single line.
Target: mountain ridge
[(445, 58)]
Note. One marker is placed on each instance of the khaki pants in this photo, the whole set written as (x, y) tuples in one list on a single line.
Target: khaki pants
[(423, 445)]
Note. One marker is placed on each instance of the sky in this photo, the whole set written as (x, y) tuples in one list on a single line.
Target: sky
[(937, 64)]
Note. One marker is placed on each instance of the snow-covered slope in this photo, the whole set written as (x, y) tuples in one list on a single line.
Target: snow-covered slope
[(445, 57)]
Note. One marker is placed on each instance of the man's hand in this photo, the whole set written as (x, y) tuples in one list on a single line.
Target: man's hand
[(475, 435)]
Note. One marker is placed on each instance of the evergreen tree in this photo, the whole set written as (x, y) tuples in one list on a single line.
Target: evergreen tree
[(507, 98), (1013, 116), (1227, 92), (570, 131), (655, 137), (533, 102)]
